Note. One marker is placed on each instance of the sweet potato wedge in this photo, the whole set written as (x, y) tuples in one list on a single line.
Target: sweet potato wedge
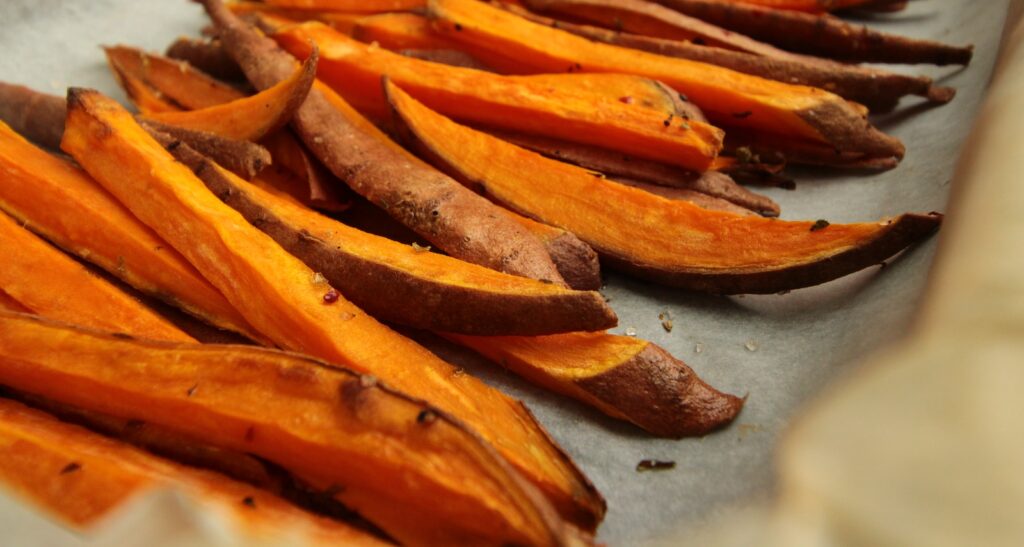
[(342, 21), (816, 6), (59, 201), (81, 477), (310, 181), (51, 284), (176, 80), (650, 19), (576, 261), (400, 283), (408, 467), (354, 71), (245, 159), (397, 31), (615, 164), (730, 99), (351, 6), (457, 221), (824, 36), (297, 309), (671, 242), (206, 55), (879, 90), (624, 377), (250, 118)]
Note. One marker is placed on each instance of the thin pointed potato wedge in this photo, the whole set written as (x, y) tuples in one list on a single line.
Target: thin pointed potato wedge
[(250, 118), (81, 478), (354, 70), (408, 467), (176, 80), (296, 308), (400, 283), (730, 99), (51, 284), (671, 242), (56, 199), (622, 376)]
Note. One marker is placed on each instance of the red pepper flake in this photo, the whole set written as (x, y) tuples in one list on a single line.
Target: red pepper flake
[(331, 296), (627, 100)]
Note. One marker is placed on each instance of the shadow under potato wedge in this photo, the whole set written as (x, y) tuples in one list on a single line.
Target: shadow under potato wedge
[(728, 98), (408, 467), (297, 309), (82, 477), (548, 105), (671, 242)]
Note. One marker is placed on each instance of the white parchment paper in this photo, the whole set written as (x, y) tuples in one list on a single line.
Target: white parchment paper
[(781, 350)]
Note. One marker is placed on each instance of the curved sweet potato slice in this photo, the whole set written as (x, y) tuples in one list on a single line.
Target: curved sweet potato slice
[(400, 283), (352, 6), (57, 200), (671, 242), (624, 377), (824, 36), (440, 210), (730, 99), (408, 467), (81, 477), (341, 21), (250, 118), (354, 70), (51, 284), (287, 302), (176, 80)]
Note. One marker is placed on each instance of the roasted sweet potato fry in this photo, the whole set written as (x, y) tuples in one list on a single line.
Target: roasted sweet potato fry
[(650, 19), (672, 242), (176, 80), (457, 221), (57, 200), (309, 180), (878, 89), (146, 99), (816, 6), (420, 475), (245, 159), (206, 55), (615, 164), (250, 118), (622, 376), (81, 477), (400, 283), (297, 309), (576, 261), (351, 6), (397, 31), (730, 99), (824, 36), (699, 199), (51, 284), (342, 21), (354, 71)]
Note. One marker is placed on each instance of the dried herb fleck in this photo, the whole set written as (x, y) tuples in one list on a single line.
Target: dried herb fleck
[(420, 248), (426, 417), (192, 390), (668, 121), (819, 225), (249, 501), (655, 465), (70, 468), (744, 155), (666, 320)]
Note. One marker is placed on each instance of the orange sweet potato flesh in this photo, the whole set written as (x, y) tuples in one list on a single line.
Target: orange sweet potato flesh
[(406, 466), (400, 283), (81, 477), (250, 118), (176, 80), (144, 97), (343, 21), (285, 301), (397, 31), (625, 377), (730, 99), (8, 303), (671, 242), (51, 284), (62, 203), (354, 70), (439, 209)]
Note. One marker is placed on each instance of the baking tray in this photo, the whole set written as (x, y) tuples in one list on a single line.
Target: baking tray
[(780, 350)]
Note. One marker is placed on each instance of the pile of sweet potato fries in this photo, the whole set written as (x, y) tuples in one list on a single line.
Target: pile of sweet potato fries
[(202, 293)]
